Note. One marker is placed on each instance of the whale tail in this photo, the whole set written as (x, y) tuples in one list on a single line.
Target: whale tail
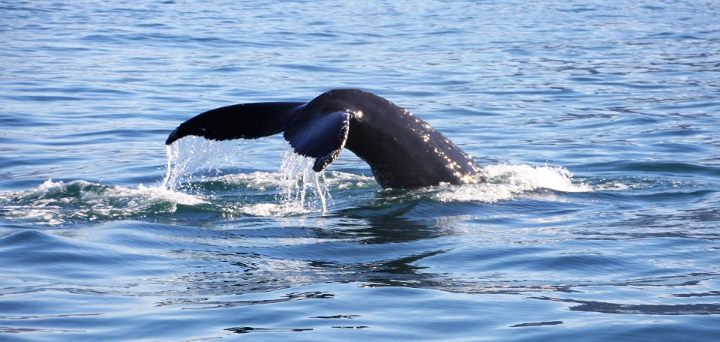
[(317, 134), (240, 121)]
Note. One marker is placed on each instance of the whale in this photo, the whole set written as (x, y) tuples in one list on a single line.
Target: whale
[(403, 151)]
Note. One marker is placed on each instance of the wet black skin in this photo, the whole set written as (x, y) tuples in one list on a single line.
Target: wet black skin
[(402, 150)]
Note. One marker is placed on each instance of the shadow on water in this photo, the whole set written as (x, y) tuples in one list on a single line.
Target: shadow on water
[(386, 221), (374, 245), (387, 242), (388, 239), (649, 309)]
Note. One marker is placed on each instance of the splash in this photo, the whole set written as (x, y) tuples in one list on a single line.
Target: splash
[(301, 186), (335, 180), (293, 190), (194, 162), (527, 178), (506, 181), (296, 189), (191, 154), (55, 203)]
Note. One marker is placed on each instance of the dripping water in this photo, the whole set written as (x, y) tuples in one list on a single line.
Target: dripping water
[(301, 186), (298, 189)]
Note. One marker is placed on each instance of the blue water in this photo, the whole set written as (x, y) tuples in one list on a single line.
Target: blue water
[(597, 121)]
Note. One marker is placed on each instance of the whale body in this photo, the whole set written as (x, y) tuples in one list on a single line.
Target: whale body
[(402, 151)]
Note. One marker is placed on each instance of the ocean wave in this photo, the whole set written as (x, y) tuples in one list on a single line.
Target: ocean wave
[(267, 180), (58, 202), (506, 181), (295, 190)]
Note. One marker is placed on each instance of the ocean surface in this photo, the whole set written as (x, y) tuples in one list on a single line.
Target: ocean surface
[(598, 123)]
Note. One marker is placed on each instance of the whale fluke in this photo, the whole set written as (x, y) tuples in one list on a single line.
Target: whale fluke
[(240, 121), (319, 135), (402, 150)]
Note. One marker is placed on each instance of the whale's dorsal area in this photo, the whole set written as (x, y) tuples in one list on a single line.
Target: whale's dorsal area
[(401, 150)]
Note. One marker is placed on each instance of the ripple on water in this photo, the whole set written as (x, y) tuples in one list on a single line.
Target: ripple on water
[(56, 258), (623, 95)]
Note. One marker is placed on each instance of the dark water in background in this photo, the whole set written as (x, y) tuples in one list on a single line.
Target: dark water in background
[(623, 95)]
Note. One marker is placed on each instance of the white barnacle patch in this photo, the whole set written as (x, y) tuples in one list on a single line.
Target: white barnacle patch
[(425, 137), (358, 114)]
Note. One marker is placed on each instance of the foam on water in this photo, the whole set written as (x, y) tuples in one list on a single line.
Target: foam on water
[(263, 180), (57, 202), (194, 170), (295, 190), (506, 181), (300, 190)]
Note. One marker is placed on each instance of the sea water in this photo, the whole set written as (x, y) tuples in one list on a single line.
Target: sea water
[(597, 123)]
